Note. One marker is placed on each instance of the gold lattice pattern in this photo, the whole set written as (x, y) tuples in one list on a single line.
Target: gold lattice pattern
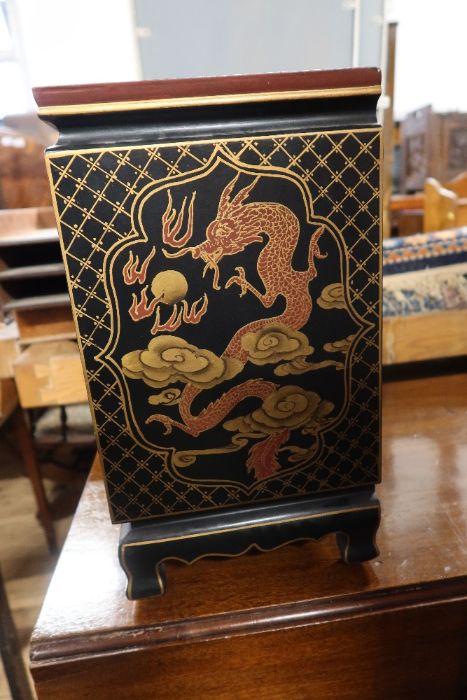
[(94, 192)]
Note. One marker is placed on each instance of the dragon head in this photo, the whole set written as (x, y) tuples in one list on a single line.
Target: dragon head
[(229, 233)]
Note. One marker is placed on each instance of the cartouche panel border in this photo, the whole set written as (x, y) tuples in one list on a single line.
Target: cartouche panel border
[(105, 355)]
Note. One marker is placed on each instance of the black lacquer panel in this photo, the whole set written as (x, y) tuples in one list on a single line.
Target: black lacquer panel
[(227, 296)]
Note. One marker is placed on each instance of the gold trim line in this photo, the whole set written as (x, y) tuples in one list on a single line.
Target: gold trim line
[(205, 100), (265, 523)]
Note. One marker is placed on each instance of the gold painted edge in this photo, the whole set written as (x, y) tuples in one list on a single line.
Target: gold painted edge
[(266, 523), (380, 314), (205, 100)]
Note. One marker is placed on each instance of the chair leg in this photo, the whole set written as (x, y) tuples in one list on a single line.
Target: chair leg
[(28, 453), (11, 652)]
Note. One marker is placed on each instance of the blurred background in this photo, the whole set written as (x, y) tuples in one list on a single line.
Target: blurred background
[(46, 436), (42, 43)]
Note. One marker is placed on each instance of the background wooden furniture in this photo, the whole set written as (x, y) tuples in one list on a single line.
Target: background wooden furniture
[(32, 275), (47, 375), (293, 623), (388, 128), (437, 208), (8, 398), (419, 152), (445, 207), (424, 337), (459, 185), (406, 213), (23, 177), (433, 145), (46, 368), (50, 374), (425, 296), (440, 207)]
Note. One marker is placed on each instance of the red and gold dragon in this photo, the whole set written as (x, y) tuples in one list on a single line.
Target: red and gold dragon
[(237, 225)]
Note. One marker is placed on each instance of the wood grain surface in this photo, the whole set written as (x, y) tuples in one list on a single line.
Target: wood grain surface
[(50, 374), (424, 336), (293, 623), (202, 87)]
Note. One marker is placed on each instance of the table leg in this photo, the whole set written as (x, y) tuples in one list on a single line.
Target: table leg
[(26, 447)]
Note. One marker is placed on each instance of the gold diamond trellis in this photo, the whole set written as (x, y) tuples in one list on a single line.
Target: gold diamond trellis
[(94, 191)]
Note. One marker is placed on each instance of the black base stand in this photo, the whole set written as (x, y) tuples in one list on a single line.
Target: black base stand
[(144, 547)]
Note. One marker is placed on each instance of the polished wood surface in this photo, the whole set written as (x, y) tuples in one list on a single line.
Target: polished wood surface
[(206, 86), (395, 627)]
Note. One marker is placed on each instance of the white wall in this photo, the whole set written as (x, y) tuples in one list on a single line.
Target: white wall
[(84, 41), (186, 38), (89, 41), (431, 56)]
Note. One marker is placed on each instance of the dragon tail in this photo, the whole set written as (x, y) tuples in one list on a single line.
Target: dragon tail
[(217, 410)]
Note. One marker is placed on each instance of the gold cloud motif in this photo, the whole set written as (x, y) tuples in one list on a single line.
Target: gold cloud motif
[(332, 297), (169, 359), (274, 343), (297, 366), (300, 365), (288, 407), (316, 420), (339, 345)]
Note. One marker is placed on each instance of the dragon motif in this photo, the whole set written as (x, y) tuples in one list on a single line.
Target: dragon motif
[(238, 224)]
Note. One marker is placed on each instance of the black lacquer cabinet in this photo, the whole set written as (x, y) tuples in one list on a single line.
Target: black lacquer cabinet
[(221, 238)]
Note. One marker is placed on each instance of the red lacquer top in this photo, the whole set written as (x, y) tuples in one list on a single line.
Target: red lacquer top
[(210, 90)]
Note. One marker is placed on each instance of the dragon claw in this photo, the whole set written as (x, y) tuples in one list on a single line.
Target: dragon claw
[(318, 254), (239, 279)]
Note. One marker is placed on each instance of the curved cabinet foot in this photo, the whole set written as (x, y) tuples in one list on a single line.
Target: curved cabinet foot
[(357, 544), (144, 548)]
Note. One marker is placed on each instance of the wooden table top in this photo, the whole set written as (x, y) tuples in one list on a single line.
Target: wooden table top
[(422, 541)]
